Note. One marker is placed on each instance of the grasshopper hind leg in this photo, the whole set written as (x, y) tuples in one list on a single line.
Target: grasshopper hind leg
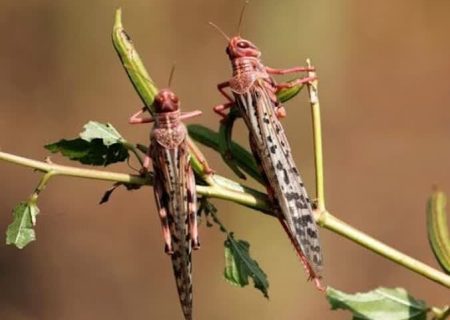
[(161, 199)]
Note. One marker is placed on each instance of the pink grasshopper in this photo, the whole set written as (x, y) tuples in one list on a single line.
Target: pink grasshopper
[(174, 187), (254, 94)]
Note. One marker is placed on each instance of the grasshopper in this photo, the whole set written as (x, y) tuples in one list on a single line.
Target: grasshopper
[(174, 187), (254, 94)]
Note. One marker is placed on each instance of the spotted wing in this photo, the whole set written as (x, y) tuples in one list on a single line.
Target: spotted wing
[(173, 175), (269, 143)]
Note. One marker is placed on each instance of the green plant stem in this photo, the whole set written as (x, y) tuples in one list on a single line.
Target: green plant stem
[(135, 150), (327, 220), (441, 314), (62, 170), (251, 200), (232, 191), (317, 136), (438, 232), (41, 185), (332, 223)]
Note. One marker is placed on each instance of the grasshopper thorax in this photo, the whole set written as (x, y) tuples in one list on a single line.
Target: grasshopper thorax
[(166, 101), (241, 48)]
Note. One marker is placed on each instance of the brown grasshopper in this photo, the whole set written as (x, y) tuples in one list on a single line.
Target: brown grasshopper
[(174, 187), (254, 94)]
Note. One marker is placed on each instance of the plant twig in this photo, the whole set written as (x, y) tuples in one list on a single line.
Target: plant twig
[(62, 170), (441, 314), (232, 191), (317, 132), (135, 150), (334, 224), (41, 185), (326, 220)]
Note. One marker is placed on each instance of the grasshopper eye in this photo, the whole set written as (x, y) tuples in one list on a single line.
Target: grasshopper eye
[(243, 44), (174, 99)]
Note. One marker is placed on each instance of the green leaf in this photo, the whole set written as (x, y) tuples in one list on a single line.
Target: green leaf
[(107, 195), (379, 304), (99, 145), (207, 210), (20, 232), (132, 63), (105, 131), (241, 156), (93, 153), (288, 93), (239, 266), (438, 233), (225, 142), (204, 135)]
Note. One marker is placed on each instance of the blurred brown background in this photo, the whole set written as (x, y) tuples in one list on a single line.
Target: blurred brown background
[(384, 73)]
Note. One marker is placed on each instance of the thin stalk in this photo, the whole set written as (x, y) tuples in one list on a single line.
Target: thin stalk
[(62, 170), (441, 314), (326, 220), (332, 223), (41, 186), (244, 198), (135, 150), (247, 197), (317, 136)]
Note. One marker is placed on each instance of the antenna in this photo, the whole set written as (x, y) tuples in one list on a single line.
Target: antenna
[(172, 71), (219, 30), (242, 17)]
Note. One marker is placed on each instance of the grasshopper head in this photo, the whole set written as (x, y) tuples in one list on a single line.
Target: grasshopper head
[(240, 48), (166, 101)]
